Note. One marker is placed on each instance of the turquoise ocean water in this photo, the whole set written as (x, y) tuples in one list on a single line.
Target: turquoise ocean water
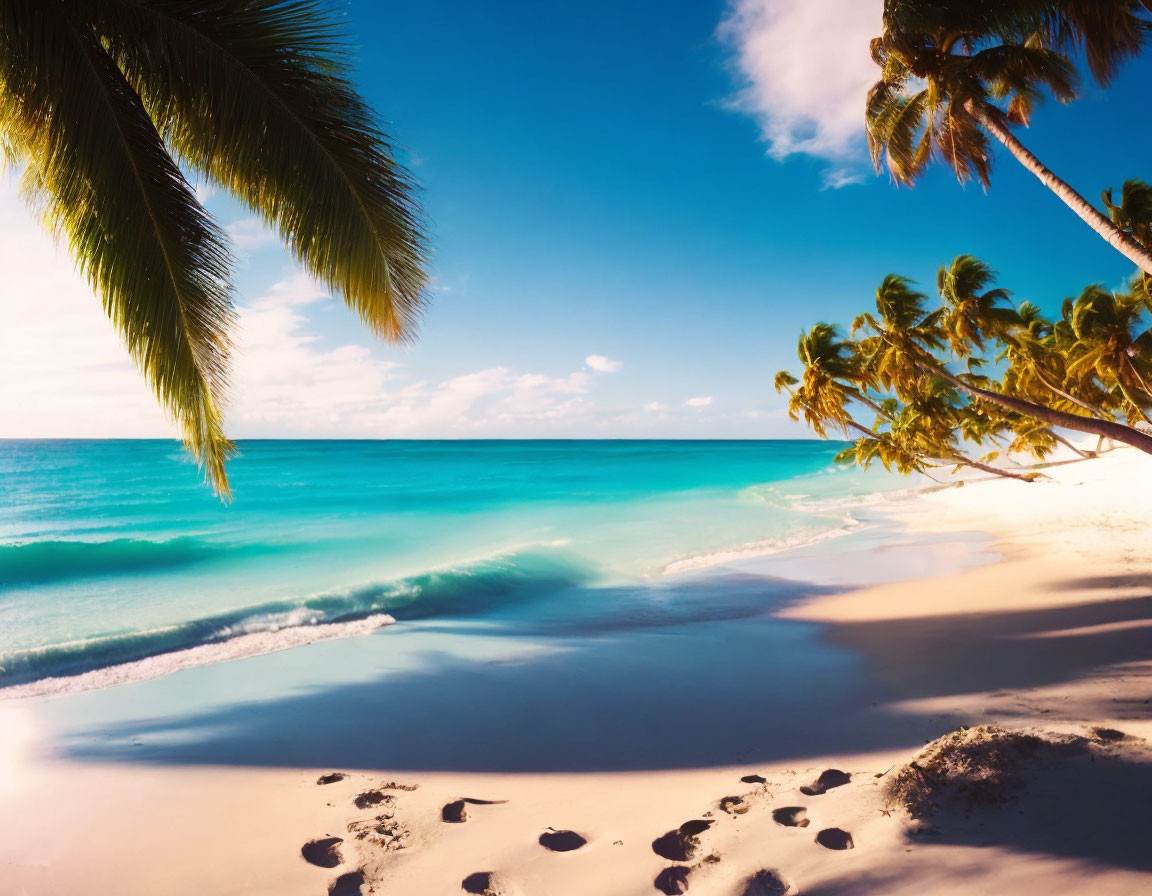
[(114, 551)]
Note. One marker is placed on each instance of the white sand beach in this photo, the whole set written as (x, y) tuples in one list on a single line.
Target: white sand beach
[(1056, 636)]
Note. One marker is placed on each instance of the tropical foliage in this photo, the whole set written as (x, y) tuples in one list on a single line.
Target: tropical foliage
[(955, 72), (970, 378), (102, 102)]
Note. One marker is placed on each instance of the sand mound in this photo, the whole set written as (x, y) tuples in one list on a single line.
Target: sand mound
[(979, 765)]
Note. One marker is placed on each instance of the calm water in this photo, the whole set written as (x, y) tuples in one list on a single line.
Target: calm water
[(114, 550)]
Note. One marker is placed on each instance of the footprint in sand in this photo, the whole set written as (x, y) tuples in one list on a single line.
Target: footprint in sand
[(1107, 735), (673, 881), (767, 883), (791, 816), (455, 811), (371, 798), (835, 838), (561, 841), (382, 831), (347, 884), (487, 883), (734, 805), (681, 844), (833, 777), (323, 853)]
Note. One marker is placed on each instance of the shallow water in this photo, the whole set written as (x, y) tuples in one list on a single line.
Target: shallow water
[(114, 551)]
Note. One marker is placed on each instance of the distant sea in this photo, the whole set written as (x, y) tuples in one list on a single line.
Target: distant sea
[(115, 551)]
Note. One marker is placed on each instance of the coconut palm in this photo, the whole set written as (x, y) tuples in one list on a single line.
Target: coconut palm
[(1103, 323), (909, 438), (905, 332), (1133, 215), (955, 71), (826, 386), (934, 415), (1037, 368), (971, 311), (100, 100), (901, 351)]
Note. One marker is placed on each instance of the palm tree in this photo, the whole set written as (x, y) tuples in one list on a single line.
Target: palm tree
[(901, 351), (971, 312), (930, 420), (100, 100), (1133, 215), (1103, 323), (955, 71), (907, 439), (1037, 368), (825, 388)]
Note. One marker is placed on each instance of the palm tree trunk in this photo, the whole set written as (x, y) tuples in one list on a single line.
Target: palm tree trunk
[(1095, 412), (1118, 239), (1063, 441), (956, 458), (1089, 425), (986, 468)]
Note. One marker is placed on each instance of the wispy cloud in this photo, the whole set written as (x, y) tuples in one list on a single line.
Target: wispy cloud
[(250, 233), (601, 364), (67, 374), (805, 71), (203, 190), (64, 369)]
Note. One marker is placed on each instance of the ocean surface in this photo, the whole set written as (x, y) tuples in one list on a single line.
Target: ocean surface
[(114, 552)]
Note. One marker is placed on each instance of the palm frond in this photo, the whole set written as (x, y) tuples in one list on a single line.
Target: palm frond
[(255, 95), (99, 172)]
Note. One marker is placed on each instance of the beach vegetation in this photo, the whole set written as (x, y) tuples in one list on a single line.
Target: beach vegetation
[(954, 73), (970, 378), (103, 107)]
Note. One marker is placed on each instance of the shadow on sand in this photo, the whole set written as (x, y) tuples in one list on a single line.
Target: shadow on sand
[(669, 687)]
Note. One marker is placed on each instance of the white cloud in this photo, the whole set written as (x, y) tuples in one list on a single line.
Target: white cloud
[(805, 70), (65, 373), (701, 402), (601, 364), (250, 233), (835, 178), (203, 190), (63, 369), (284, 380)]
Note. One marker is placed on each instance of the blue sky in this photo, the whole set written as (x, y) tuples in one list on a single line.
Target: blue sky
[(673, 190)]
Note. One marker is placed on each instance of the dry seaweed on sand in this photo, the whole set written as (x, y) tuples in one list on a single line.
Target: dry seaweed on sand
[(973, 766)]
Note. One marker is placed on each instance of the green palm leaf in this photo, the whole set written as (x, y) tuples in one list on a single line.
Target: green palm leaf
[(100, 173), (95, 100), (255, 95)]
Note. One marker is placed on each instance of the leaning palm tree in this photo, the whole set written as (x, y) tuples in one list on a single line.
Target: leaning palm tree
[(955, 71), (1103, 323), (901, 351), (913, 438), (100, 104), (1037, 367), (828, 383)]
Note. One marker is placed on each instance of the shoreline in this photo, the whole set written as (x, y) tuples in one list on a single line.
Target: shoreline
[(277, 628), (1055, 635)]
